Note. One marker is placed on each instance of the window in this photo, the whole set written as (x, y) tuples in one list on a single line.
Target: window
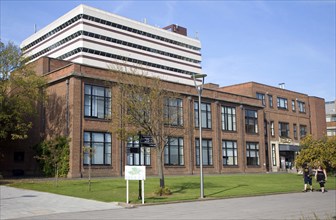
[(301, 106), (97, 102), (303, 131), (206, 115), (283, 129), (293, 105), (252, 153), (282, 103), (134, 153), (251, 121), (206, 151), (228, 118), (270, 101), (295, 131), (229, 149), (173, 152), (272, 129), (333, 118), (174, 111), (261, 97), (100, 148), (274, 155)]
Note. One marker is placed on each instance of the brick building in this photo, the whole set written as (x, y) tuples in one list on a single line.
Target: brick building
[(231, 145), (288, 117), (75, 54), (331, 118)]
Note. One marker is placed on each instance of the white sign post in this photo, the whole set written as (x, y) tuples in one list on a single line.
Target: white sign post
[(135, 173)]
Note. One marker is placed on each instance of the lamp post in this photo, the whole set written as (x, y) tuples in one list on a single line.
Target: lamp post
[(199, 89)]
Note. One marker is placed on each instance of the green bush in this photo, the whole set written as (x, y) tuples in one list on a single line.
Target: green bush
[(53, 155), (163, 191)]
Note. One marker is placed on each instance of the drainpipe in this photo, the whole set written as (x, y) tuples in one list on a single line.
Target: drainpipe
[(243, 137), (67, 107)]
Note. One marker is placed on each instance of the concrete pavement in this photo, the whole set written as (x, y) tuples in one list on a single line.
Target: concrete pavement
[(25, 204), (18, 203)]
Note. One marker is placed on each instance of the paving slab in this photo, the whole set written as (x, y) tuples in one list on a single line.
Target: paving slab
[(18, 203)]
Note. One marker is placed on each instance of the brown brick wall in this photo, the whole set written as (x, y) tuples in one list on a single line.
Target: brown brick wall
[(71, 94)]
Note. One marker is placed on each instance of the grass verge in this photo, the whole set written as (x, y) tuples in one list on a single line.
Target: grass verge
[(183, 188)]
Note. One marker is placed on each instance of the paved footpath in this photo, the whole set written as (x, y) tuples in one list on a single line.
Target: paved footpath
[(26, 204)]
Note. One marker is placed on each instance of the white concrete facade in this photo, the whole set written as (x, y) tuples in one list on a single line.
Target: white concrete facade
[(94, 37)]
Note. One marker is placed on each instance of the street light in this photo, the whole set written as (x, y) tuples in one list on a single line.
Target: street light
[(199, 89)]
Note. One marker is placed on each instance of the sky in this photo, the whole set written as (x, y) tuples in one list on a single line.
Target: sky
[(268, 42)]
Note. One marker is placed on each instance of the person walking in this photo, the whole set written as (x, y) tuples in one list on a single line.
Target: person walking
[(307, 177), (321, 177)]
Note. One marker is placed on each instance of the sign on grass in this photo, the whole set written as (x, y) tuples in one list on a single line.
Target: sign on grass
[(135, 172)]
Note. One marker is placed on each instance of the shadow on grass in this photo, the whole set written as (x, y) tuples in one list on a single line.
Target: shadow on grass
[(227, 189), (184, 186)]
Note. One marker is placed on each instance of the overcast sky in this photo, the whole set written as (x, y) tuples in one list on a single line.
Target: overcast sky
[(269, 42)]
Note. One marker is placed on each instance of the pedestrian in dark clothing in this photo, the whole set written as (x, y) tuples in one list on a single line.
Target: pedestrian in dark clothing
[(307, 177), (321, 177)]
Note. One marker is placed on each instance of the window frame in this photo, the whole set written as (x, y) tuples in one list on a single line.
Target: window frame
[(249, 150), (225, 152), (229, 120), (282, 103), (141, 158), (205, 111), (284, 129), (168, 152), (106, 156), (261, 96), (95, 104), (251, 121), (207, 153), (270, 100), (174, 111)]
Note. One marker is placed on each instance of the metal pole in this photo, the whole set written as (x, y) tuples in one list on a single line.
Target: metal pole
[(200, 139), (199, 89)]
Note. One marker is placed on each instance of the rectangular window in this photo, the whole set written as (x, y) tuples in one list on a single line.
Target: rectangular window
[(272, 129), (282, 103), (303, 131), (206, 115), (261, 97), (228, 118), (135, 153), (295, 131), (251, 121), (270, 101), (274, 155), (229, 149), (252, 154), (293, 105), (98, 147), (301, 106), (97, 102), (173, 111), (206, 151), (173, 152), (283, 129)]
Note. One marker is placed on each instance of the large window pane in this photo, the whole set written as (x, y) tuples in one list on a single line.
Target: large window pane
[(97, 149), (97, 102)]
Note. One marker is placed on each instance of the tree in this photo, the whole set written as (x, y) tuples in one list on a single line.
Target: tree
[(144, 107), (317, 152), (53, 156), (20, 90)]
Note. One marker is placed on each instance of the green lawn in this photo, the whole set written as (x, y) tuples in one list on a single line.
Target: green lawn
[(183, 187)]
